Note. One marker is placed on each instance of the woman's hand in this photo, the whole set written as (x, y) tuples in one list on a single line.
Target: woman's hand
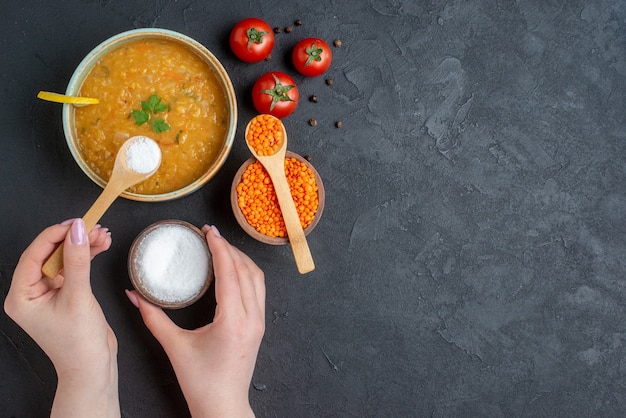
[(214, 364), (63, 317)]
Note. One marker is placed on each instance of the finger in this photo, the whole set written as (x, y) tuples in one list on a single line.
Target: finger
[(28, 269), (251, 282), (76, 259), (249, 277), (99, 240), (97, 234), (227, 290), (28, 282), (158, 323)]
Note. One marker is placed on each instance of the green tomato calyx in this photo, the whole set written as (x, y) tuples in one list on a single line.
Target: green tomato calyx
[(278, 93), (254, 36), (314, 53)]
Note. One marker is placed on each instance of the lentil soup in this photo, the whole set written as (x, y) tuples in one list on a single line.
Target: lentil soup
[(183, 106)]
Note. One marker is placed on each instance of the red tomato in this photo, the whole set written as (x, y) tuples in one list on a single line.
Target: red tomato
[(251, 40), (275, 93), (311, 57)]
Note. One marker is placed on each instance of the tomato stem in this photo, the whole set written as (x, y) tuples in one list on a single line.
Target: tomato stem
[(278, 93), (254, 36), (314, 53)]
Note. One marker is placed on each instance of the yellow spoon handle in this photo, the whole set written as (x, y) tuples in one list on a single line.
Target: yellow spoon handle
[(61, 98)]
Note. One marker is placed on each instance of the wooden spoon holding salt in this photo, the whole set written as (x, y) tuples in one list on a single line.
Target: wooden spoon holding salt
[(137, 159), (275, 166)]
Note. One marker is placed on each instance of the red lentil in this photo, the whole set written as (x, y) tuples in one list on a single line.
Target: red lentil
[(258, 202), (265, 134)]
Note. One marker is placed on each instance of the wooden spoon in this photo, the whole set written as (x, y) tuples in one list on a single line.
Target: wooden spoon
[(275, 166), (126, 173)]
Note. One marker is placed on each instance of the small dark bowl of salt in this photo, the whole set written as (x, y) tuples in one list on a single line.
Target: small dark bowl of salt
[(170, 264)]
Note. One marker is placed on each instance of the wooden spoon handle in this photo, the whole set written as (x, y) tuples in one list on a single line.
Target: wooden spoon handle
[(297, 239), (54, 264)]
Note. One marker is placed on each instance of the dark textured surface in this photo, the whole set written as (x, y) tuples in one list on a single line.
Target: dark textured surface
[(470, 261)]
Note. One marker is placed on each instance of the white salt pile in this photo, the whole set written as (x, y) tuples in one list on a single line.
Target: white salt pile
[(172, 263), (143, 155)]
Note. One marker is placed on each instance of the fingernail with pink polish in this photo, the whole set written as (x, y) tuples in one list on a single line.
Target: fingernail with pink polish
[(215, 231), (132, 298), (78, 233), (68, 222)]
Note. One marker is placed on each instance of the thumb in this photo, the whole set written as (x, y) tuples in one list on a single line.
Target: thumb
[(157, 321), (76, 258)]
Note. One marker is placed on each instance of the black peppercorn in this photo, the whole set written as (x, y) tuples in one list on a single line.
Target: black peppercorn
[(288, 29), (277, 30), (337, 43), (338, 124), (329, 81), (312, 122), (313, 99), (298, 22)]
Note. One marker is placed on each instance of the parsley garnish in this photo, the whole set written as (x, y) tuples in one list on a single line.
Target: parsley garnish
[(152, 106), (159, 125), (141, 117)]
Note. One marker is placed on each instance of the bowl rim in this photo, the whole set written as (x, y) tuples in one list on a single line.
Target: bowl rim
[(249, 229), (114, 42), (138, 285)]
